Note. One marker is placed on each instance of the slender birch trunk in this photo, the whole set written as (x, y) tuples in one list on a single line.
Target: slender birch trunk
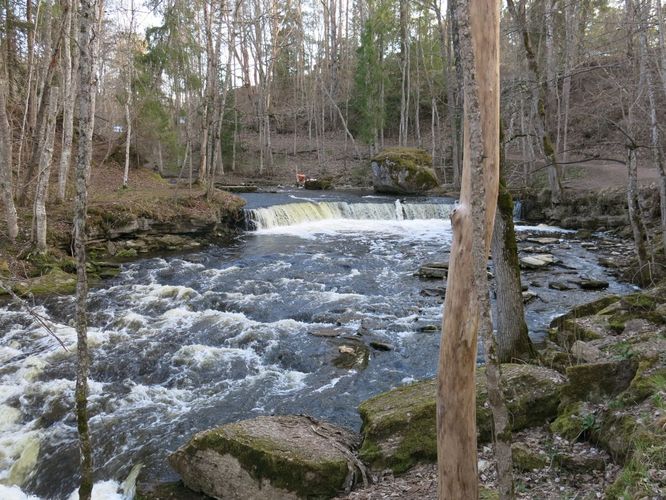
[(44, 173), (69, 70), (128, 101), (655, 129), (90, 10), (6, 175)]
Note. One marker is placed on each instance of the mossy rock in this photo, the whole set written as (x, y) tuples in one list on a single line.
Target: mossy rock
[(283, 457), (399, 425), (403, 171), (55, 282), (585, 329), (318, 184), (597, 382), (650, 379), (575, 421), (586, 309), (527, 459)]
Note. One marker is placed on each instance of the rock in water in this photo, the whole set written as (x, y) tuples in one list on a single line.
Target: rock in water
[(282, 457), (590, 284), (536, 261), (558, 285), (403, 171)]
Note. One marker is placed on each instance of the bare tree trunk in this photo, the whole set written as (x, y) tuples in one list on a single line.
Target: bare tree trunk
[(39, 133), (638, 230), (6, 184), (467, 304), (30, 97), (566, 83), (662, 45), (44, 173), (86, 45), (69, 69), (404, 68), (543, 99), (128, 100), (655, 129)]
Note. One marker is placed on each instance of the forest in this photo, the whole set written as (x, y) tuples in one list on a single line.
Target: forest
[(332, 249)]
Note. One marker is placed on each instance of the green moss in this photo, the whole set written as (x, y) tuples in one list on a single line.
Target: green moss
[(649, 380), (307, 478), (487, 494), (527, 459), (585, 310), (54, 282), (635, 480), (406, 157), (574, 421), (409, 169), (126, 253), (597, 382), (408, 413), (399, 426)]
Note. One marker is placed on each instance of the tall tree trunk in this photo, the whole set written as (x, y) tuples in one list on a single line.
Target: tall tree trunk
[(467, 303), (568, 68), (89, 10), (655, 129), (44, 173), (69, 69), (39, 133), (6, 183), (404, 68), (543, 99), (513, 341), (638, 230)]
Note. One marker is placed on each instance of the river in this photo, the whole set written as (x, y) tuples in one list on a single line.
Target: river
[(182, 343)]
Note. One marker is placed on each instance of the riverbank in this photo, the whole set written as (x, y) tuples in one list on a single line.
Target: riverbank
[(150, 217)]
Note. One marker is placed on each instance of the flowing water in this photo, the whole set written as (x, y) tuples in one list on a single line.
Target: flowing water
[(186, 342)]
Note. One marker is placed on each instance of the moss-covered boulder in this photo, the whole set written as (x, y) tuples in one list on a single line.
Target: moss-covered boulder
[(526, 458), (597, 382), (399, 425), (403, 171), (54, 282), (283, 457), (318, 184)]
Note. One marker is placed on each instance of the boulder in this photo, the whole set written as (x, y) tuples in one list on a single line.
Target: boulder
[(318, 184), (536, 261), (526, 458), (590, 284), (403, 171), (352, 354), (597, 382), (431, 273), (399, 425), (558, 285), (280, 457)]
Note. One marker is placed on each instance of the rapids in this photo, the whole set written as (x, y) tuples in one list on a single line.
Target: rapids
[(181, 343)]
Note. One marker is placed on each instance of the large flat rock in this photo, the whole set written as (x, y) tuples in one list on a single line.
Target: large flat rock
[(399, 425), (282, 457)]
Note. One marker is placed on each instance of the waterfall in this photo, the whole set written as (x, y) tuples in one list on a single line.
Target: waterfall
[(517, 210), (296, 213)]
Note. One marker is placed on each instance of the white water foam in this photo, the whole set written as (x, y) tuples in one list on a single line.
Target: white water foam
[(298, 213)]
